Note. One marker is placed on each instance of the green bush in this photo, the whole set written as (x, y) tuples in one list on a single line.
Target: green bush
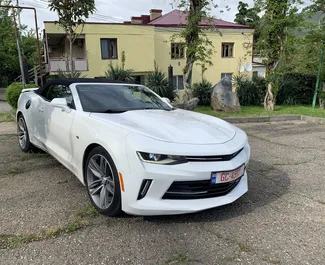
[(117, 73), (68, 75), (203, 91), (13, 91), (296, 89), (158, 82), (251, 92)]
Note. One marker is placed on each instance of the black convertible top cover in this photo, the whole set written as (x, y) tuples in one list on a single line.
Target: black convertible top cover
[(68, 82)]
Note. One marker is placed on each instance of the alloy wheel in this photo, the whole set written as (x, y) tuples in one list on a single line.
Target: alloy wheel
[(100, 181), (22, 133)]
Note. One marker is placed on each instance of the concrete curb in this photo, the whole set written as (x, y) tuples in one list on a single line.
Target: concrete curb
[(313, 119), (276, 118)]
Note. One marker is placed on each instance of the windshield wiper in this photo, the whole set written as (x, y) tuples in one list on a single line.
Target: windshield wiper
[(112, 111)]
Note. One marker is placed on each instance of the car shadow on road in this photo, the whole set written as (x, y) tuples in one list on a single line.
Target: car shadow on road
[(266, 185)]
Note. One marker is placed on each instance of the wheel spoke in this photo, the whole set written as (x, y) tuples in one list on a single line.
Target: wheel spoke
[(102, 198), (95, 184), (97, 190), (110, 180), (103, 165), (93, 166), (21, 125), (110, 188)]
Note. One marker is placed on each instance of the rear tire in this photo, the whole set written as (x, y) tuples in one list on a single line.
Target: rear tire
[(23, 135), (102, 182)]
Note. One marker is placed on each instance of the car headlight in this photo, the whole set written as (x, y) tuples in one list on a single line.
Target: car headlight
[(161, 159)]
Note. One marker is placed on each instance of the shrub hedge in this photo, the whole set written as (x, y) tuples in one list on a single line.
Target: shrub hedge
[(13, 92)]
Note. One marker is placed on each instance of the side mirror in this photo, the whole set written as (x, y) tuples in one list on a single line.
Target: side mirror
[(166, 100), (61, 103)]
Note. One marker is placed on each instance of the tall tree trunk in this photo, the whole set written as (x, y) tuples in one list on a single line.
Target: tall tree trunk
[(322, 99), (269, 100), (187, 81), (70, 53), (191, 42)]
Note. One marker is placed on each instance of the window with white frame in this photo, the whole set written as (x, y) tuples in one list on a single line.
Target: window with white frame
[(227, 50), (178, 82), (177, 51), (108, 48)]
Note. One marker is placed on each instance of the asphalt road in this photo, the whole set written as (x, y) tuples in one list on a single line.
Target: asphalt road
[(45, 216)]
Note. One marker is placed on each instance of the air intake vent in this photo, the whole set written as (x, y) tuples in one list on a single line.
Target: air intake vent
[(144, 188)]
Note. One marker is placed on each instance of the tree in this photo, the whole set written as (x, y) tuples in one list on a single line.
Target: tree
[(198, 47), (249, 17), (281, 16), (72, 14), (9, 63), (319, 6)]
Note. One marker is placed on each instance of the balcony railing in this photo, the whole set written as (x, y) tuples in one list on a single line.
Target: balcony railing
[(56, 65)]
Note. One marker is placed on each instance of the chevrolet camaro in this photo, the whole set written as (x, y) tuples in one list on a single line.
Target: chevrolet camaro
[(132, 150)]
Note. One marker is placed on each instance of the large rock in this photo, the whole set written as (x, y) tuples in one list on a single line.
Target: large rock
[(222, 97), (191, 105)]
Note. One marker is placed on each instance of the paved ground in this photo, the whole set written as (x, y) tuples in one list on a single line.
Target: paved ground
[(45, 217), (4, 106)]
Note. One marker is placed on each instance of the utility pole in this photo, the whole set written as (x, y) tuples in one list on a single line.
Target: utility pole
[(19, 50), (36, 29), (320, 68), (19, 22)]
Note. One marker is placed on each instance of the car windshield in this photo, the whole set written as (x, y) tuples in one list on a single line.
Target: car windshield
[(112, 98)]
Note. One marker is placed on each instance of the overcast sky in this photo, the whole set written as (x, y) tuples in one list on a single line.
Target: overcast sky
[(120, 10)]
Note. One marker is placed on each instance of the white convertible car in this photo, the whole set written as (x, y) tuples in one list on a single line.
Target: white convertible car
[(132, 150)]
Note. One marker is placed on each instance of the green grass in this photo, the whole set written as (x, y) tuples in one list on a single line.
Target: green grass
[(14, 241), (259, 111), (5, 117)]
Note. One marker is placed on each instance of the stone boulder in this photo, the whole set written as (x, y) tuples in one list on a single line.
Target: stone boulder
[(191, 105), (222, 97)]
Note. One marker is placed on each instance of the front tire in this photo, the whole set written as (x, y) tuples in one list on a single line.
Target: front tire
[(102, 182), (23, 135)]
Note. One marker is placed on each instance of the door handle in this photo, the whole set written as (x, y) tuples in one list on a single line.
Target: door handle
[(41, 109)]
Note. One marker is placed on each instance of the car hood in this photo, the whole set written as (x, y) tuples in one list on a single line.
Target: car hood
[(178, 126)]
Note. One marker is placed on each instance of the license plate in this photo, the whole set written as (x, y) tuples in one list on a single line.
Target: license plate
[(227, 176)]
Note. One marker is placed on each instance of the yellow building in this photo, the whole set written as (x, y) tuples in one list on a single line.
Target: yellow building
[(148, 39)]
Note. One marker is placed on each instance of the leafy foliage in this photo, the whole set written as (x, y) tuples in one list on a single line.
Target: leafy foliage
[(249, 17), (13, 92), (117, 73), (9, 62), (278, 21), (296, 89), (250, 92), (203, 91), (157, 81), (72, 13), (199, 47), (67, 75)]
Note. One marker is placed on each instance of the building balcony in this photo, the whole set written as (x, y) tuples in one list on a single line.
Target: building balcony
[(58, 64)]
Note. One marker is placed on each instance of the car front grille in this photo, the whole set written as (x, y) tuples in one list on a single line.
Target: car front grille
[(213, 158), (203, 189)]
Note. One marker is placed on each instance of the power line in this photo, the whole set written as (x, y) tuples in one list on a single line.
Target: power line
[(96, 15)]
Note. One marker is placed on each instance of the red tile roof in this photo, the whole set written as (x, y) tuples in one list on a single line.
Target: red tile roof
[(177, 18)]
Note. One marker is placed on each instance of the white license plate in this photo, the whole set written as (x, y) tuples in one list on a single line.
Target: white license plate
[(227, 176)]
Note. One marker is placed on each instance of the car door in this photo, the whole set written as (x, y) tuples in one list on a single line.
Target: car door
[(58, 123)]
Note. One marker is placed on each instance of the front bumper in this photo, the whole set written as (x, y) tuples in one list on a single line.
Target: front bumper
[(163, 176)]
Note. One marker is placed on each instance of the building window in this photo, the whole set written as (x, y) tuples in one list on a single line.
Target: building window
[(108, 48), (255, 74), (178, 82), (226, 75), (177, 51), (227, 50)]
